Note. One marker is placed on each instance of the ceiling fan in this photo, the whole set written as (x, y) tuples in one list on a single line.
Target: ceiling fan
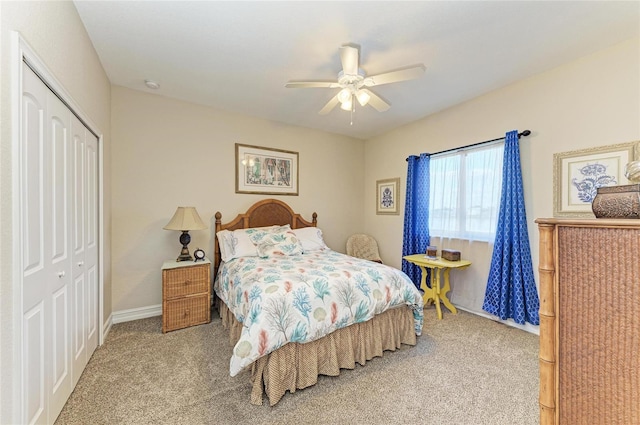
[(354, 83)]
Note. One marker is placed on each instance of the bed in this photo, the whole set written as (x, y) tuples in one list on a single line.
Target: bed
[(297, 309)]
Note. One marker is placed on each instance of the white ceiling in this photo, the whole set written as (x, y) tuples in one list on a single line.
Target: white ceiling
[(238, 56)]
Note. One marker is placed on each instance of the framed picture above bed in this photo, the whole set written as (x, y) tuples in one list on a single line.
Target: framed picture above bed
[(577, 175), (266, 171), (387, 196)]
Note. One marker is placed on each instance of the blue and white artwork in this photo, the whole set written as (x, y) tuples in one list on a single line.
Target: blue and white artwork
[(592, 177), (387, 197), (584, 174), (578, 175)]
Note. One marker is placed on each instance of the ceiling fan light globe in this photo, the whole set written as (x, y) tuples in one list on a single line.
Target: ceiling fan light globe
[(344, 95), (363, 97), (346, 106)]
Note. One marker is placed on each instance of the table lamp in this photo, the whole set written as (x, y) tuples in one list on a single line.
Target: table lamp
[(185, 219)]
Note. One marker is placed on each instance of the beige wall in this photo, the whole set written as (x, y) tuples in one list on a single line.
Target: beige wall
[(168, 153), (55, 32), (590, 102)]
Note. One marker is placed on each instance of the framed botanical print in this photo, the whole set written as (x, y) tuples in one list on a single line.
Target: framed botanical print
[(387, 196), (266, 171), (577, 175)]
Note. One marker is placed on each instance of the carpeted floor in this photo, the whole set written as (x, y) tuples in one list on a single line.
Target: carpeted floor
[(465, 369)]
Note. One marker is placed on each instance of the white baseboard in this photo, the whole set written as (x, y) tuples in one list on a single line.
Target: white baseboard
[(136, 313), (156, 310), (526, 327), (107, 327)]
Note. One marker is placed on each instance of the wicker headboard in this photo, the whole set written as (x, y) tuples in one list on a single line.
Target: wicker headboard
[(267, 212)]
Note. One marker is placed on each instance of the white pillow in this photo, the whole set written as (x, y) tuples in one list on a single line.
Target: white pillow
[(235, 245), (311, 239)]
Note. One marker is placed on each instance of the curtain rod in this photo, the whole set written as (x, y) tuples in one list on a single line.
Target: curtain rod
[(524, 133)]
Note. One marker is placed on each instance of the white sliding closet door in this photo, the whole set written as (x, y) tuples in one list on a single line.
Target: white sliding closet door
[(57, 221), (78, 229), (46, 256), (91, 243), (84, 170), (58, 206), (36, 253)]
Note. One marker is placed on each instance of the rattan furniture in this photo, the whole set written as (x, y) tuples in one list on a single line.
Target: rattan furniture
[(186, 294), (589, 322), (363, 246)]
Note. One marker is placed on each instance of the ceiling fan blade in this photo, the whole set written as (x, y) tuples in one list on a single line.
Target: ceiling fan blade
[(349, 58), (376, 102), (329, 106), (394, 76), (312, 84)]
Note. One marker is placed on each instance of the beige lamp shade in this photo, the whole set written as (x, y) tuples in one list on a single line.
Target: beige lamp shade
[(185, 218)]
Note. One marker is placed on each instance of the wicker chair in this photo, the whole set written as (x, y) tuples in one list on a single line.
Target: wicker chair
[(363, 246)]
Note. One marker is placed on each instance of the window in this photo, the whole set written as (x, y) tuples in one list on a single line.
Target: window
[(464, 193)]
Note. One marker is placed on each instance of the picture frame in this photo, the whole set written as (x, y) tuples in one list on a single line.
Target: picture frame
[(388, 196), (577, 175), (268, 171)]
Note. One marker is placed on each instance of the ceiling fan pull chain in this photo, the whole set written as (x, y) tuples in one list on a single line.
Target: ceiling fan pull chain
[(353, 108)]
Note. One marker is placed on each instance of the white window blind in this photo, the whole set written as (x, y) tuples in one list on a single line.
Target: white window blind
[(464, 197)]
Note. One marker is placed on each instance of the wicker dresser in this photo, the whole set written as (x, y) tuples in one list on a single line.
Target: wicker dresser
[(186, 294), (589, 322)]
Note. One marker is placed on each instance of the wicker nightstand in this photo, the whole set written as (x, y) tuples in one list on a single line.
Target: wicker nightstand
[(186, 294)]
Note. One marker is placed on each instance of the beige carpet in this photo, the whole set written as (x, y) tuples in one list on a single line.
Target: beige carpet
[(464, 370)]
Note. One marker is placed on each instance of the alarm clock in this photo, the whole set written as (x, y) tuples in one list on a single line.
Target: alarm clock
[(198, 254)]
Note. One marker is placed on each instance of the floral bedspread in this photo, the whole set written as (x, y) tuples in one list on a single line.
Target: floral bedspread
[(301, 298)]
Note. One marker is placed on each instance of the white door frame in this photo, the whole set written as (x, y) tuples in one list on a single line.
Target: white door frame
[(21, 51)]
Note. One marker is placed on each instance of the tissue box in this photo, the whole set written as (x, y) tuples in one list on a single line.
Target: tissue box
[(451, 255)]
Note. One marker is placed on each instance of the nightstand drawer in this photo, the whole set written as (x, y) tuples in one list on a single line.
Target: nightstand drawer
[(185, 281), (185, 312)]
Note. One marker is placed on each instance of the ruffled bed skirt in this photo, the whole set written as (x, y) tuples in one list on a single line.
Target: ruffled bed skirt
[(296, 366)]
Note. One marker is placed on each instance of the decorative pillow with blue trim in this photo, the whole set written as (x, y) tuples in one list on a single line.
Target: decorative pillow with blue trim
[(243, 242), (279, 243)]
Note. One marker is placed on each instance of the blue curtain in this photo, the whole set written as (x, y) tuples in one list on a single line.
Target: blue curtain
[(416, 213), (511, 290)]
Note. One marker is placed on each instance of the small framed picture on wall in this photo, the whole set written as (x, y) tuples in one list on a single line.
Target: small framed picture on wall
[(388, 196)]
